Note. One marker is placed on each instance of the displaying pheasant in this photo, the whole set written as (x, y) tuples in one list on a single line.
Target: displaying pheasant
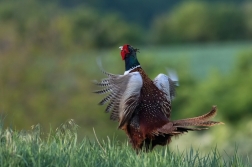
[(143, 106)]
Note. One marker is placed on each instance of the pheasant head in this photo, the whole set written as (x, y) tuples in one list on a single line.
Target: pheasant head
[(128, 54)]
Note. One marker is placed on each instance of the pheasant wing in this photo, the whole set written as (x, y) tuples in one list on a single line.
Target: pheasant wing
[(167, 84), (123, 95)]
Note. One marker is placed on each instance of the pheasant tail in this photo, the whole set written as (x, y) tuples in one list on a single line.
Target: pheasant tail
[(202, 118), (184, 125)]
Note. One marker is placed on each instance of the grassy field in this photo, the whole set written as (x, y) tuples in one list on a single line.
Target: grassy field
[(60, 148)]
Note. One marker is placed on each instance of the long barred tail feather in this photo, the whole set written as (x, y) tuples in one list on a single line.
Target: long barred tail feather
[(184, 125), (204, 123), (202, 120), (187, 129)]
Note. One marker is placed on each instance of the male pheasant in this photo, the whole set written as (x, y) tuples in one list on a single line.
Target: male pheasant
[(143, 106)]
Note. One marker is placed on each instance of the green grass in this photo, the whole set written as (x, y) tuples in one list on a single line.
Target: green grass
[(61, 148)]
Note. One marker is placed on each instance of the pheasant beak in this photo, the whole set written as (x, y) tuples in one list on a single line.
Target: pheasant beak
[(121, 47)]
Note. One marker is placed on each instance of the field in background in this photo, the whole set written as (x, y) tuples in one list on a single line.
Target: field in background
[(200, 59)]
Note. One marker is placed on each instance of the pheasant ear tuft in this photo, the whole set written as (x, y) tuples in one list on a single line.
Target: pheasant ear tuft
[(137, 50)]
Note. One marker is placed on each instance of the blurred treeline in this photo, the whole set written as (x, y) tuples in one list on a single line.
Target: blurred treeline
[(48, 51), (64, 25)]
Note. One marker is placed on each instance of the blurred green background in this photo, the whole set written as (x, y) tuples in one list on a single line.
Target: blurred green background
[(48, 52)]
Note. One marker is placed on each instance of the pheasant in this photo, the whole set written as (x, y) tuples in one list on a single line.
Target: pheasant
[(143, 106)]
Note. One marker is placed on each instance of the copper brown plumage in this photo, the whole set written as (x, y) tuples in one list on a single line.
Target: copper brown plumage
[(143, 106)]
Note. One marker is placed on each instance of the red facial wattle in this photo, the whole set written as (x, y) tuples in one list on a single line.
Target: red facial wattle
[(124, 51)]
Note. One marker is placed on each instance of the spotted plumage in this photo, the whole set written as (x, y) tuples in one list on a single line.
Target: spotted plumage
[(143, 106)]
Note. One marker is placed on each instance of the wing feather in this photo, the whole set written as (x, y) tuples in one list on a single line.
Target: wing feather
[(106, 90), (167, 84), (123, 95)]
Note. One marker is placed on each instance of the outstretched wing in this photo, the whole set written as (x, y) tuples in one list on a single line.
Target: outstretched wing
[(167, 84), (123, 95)]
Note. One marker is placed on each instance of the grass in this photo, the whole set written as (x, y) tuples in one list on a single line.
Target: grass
[(61, 148)]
